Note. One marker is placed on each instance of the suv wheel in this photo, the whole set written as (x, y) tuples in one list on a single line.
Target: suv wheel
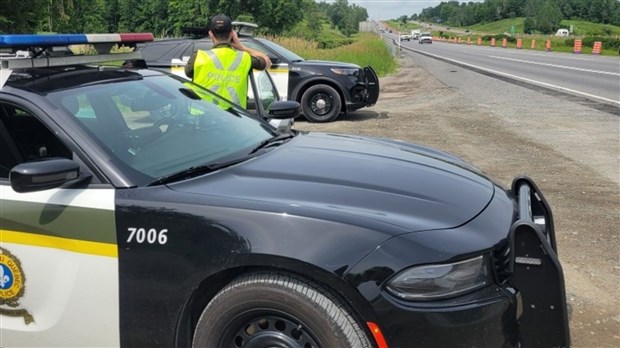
[(321, 103), (277, 310)]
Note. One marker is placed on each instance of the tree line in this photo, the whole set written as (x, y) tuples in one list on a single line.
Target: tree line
[(169, 17), (541, 16)]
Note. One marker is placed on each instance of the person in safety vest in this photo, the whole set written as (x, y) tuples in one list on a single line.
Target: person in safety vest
[(224, 68)]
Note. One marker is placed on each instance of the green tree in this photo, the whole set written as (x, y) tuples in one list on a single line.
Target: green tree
[(19, 17), (542, 17)]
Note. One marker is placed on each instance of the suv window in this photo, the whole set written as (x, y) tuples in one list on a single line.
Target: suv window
[(24, 138), (286, 54)]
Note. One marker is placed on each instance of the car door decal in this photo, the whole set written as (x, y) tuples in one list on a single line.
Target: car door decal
[(64, 241)]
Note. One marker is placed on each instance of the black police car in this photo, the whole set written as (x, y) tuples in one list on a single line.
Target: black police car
[(325, 89), (138, 209)]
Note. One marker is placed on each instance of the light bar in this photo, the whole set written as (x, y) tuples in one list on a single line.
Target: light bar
[(28, 40)]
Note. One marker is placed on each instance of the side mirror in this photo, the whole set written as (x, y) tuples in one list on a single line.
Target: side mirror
[(282, 115), (275, 60), (281, 110), (45, 174)]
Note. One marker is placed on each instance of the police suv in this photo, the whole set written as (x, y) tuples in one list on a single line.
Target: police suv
[(140, 210), (325, 89)]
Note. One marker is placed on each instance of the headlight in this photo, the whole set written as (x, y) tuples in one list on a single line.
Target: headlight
[(431, 282), (345, 71)]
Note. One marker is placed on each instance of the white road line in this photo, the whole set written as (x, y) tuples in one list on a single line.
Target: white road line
[(521, 78), (557, 66)]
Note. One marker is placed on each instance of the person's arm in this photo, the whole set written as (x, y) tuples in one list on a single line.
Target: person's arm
[(189, 67), (236, 44)]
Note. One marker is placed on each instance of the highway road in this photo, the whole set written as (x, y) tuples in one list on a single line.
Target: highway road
[(590, 76)]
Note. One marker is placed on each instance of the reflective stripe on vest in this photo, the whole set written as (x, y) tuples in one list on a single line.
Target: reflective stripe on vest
[(224, 71)]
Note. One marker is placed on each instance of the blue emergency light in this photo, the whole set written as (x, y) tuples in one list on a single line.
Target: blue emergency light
[(30, 40)]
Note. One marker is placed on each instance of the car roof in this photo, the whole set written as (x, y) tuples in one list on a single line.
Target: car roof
[(47, 80)]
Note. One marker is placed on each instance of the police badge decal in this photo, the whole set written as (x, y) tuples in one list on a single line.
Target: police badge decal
[(12, 286)]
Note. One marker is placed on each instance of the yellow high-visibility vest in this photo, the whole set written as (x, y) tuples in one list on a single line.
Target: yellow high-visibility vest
[(224, 71)]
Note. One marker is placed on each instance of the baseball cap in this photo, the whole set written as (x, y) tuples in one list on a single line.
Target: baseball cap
[(220, 24)]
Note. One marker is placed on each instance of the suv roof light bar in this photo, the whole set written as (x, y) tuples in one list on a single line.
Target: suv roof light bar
[(28, 40), (11, 63), (103, 43)]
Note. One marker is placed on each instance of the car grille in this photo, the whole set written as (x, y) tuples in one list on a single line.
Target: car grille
[(501, 262)]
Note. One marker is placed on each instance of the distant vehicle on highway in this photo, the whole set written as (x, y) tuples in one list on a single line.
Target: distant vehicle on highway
[(405, 37), (426, 38), (562, 32), (415, 34)]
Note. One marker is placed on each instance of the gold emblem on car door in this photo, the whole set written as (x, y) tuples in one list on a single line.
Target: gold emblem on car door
[(12, 286)]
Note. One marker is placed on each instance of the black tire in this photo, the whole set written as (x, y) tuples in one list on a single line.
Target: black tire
[(321, 103), (277, 310)]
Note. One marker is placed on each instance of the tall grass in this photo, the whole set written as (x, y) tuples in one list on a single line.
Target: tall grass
[(368, 49)]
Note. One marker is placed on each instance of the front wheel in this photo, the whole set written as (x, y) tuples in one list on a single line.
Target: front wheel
[(277, 310), (321, 103)]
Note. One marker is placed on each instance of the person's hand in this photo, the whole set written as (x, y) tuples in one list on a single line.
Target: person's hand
[(235, 43), (266, 59)]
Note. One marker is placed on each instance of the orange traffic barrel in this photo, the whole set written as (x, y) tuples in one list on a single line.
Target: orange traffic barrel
[(479, 42), (598, 46), (469, 40), (493, 42), (577, 46), (504, 43), (533, 43), (548, 47)]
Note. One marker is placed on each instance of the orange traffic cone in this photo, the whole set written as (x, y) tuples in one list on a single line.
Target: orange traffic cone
[(548, 47), (504, 43), (577, 46), (598, 46), (533, 44), (493, 42), (519, 43)]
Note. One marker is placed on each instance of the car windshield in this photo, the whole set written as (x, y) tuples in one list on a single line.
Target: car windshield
[(159, 126), (288, 55)]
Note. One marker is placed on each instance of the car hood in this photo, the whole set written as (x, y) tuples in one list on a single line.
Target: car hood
[(355, 180), (326, 63)]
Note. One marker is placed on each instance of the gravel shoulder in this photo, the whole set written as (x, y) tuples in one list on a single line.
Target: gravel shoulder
[(570, 150)]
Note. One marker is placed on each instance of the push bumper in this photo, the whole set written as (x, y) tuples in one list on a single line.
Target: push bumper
[(365, 92), (536, 270)]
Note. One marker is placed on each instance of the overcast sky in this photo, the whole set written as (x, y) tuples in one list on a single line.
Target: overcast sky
[(392, 9)]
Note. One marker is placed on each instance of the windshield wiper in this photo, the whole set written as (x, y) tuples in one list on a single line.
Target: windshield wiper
[(275, 141), (195, 171)]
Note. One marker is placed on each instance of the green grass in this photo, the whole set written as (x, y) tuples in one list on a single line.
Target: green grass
[(583, 28), (499, 27), (580, 28), (367, 49), (398, 26)]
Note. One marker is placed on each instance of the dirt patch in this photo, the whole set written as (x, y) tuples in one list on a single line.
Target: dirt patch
[(583, 191)]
